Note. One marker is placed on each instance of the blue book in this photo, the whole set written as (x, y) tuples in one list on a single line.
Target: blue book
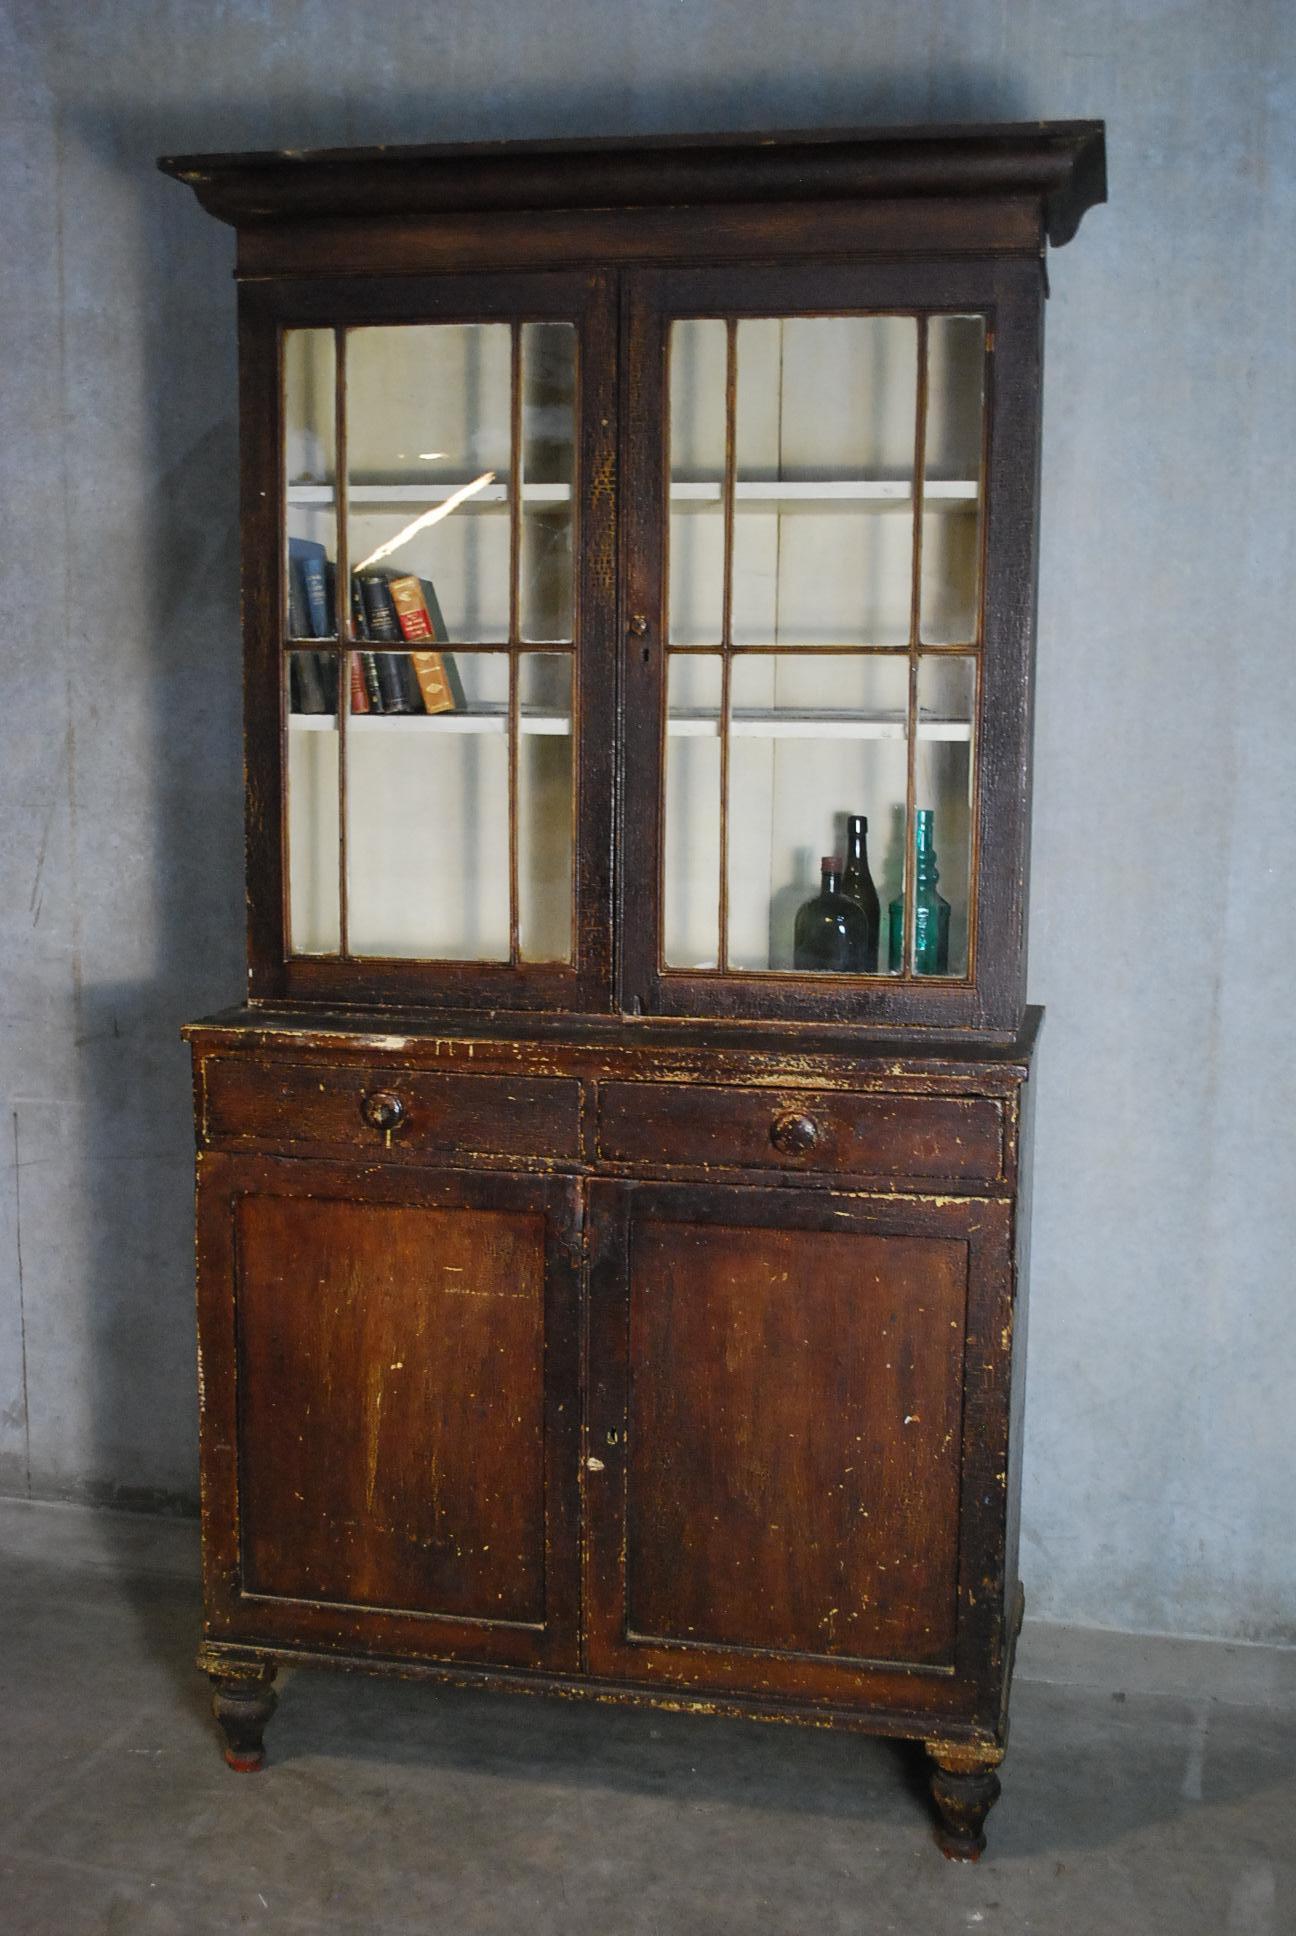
[(311, 560)]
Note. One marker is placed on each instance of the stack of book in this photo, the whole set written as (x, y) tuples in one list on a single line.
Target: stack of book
[(385, 610)]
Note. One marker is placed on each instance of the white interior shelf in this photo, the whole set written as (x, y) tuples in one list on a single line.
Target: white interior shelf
[(829, 490), (796, 722), (481, 719), (781, 723), (755, 494), (397, 497)]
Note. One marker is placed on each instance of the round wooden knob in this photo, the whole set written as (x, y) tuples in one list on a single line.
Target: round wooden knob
[(793, 1133), (383, 1110)]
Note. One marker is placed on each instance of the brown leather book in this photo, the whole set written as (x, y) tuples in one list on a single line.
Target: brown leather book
[(415, 622)]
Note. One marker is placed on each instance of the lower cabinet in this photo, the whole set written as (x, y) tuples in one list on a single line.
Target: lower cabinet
[(391, 1410), (798, 1442), (736, 1443)]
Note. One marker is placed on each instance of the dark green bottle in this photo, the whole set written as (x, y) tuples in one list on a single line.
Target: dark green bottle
[(857, 885), (931, 910), (831, 933)]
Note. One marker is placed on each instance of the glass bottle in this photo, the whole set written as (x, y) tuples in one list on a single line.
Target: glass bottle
[(831, 933), (857, 886), (931, 910)]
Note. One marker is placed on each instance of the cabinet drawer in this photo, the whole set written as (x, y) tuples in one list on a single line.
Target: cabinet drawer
[(275, 1103), (955, 1137)]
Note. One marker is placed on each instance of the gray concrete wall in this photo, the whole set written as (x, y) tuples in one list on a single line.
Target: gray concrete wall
[(1161, 1464)]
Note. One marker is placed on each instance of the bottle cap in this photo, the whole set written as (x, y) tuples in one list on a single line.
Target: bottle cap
[(831, 863)]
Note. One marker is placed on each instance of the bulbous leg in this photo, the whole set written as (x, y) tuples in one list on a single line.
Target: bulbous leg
[(965, 1787), (243, 1699)]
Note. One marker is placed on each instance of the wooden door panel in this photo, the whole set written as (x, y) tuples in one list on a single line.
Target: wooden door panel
[(391, 1372), (391, 1410), (793, 1398)]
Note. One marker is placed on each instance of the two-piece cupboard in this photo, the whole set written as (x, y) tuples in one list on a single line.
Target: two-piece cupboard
[(594, 1292)]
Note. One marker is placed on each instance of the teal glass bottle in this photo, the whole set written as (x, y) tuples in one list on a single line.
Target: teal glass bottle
[(931, 910), (831, 933)]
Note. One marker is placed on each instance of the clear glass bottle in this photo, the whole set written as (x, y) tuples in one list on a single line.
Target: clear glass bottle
[(831, 932), (931, 910), (857, 886)]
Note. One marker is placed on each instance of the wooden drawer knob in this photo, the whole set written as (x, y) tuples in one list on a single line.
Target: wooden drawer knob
[(383, 1110), (793, 1133)]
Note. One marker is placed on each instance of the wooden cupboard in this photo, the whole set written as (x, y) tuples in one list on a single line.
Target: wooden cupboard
[(591, 1295)]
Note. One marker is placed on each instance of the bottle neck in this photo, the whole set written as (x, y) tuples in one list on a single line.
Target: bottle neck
[(856, 839), (830, 880), (926, 872)]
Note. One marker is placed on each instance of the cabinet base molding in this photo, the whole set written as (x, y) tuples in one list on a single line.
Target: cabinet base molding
[(242, 1676)]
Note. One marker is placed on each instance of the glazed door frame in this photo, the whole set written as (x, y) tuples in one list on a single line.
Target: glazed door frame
[(1009, 292), (233, 1613), (958, 1686), (266, 310)]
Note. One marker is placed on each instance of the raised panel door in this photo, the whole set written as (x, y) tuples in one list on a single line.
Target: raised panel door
[(789, 1403), (393, 1366)]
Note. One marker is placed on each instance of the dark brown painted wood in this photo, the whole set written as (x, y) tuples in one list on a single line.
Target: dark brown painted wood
[(1010, 296), (264, 600), (360, 247), (813, 1512), (243, 1701), (586, 301), (776, 1361), (598, 1328), (655, 1043), (869, 1135), (283, 1103), (374, 1342), (389, 1435), (964, 1787), (1060, 164)]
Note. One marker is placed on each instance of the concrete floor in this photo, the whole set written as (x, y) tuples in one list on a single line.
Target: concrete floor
[(1150, 1786)]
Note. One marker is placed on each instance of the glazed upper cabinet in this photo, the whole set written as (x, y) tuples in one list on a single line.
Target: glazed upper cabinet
[(450, 441), (829, 517), (706, 560)]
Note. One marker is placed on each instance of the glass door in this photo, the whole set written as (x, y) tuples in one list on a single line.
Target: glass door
[(812, 597), (439, 610)]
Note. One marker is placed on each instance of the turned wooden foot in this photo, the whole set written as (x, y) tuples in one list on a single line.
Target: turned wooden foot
[(243, 1699), (965, 1787)]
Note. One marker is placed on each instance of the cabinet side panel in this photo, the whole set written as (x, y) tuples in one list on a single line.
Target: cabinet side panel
[(391, 1406), (1025, 1110), (260, 489), (794, 1440)]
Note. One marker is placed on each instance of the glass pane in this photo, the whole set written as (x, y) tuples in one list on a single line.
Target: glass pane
[(951, 525), (427, 824), (428, 447), (823, 525), (311, 779), (698, 358), (548, 470), (814, 740), (691, 870), (310, 472), (943, 768), (545, 807)]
